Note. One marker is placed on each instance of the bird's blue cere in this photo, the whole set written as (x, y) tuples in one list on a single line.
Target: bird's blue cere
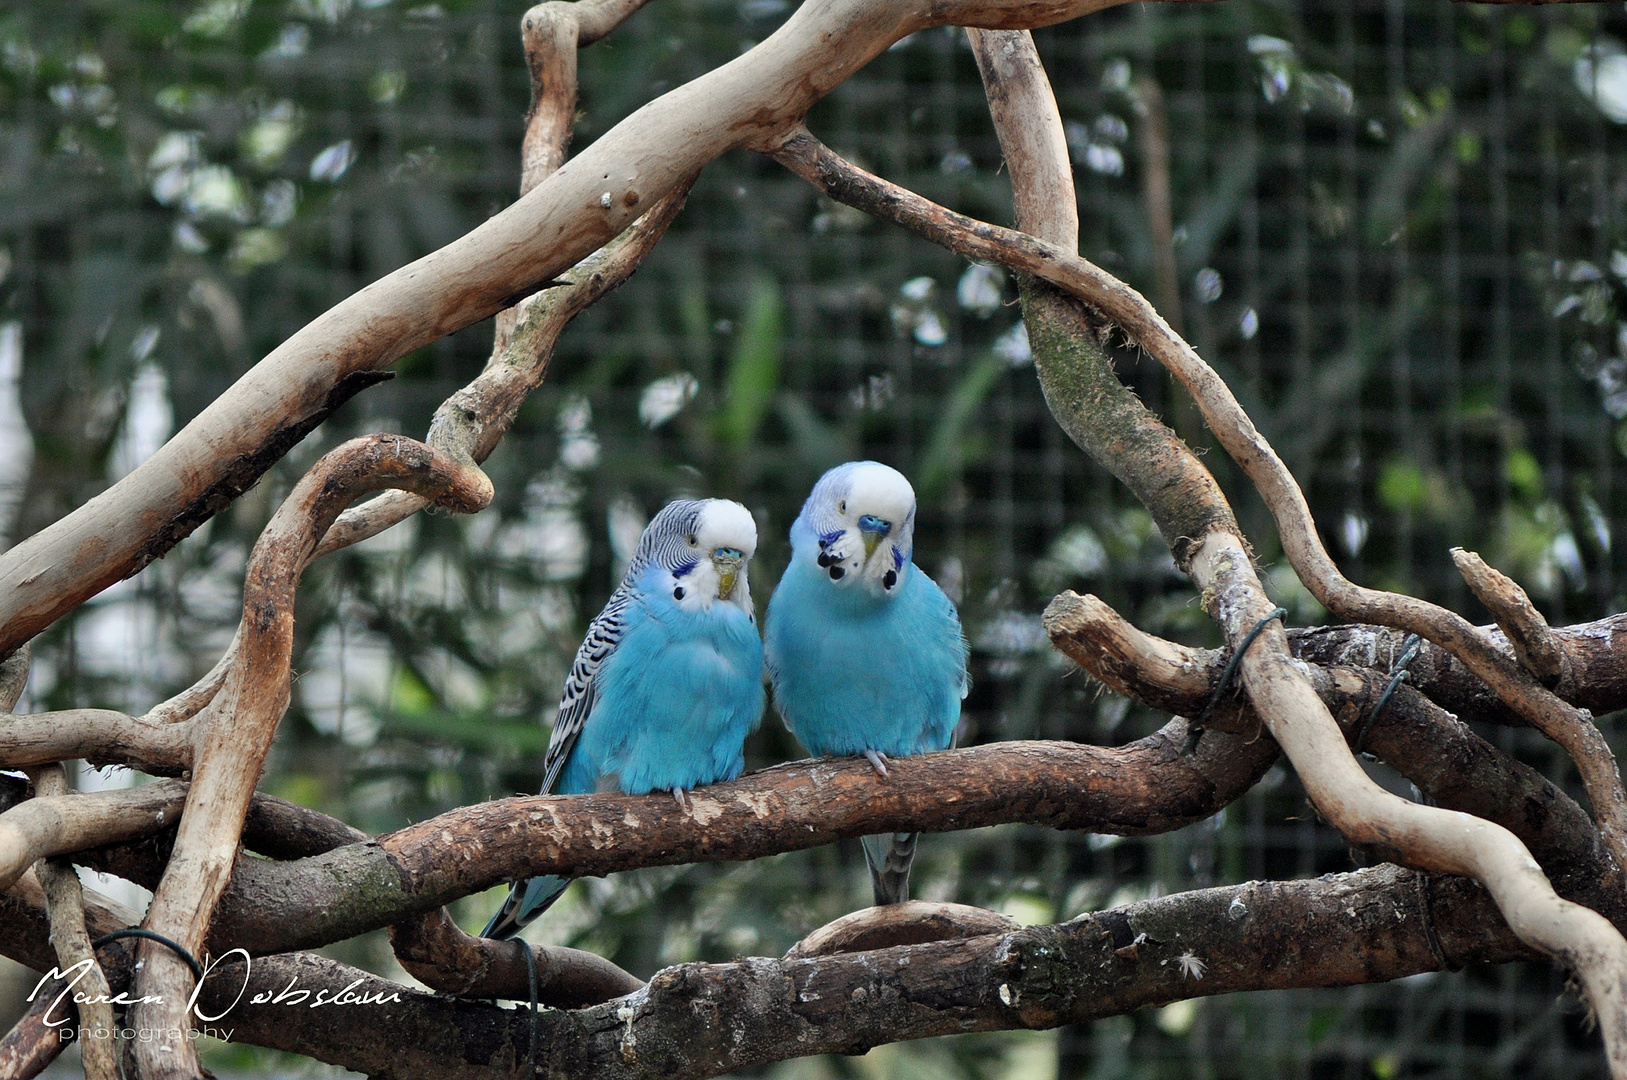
[(864, 650), (668, 682)]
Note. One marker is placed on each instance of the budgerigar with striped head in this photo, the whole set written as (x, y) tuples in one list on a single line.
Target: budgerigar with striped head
[(864, 650), (668, 682)]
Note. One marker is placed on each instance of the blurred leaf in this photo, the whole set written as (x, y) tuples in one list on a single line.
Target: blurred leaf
[(754, 364), (949, 449)]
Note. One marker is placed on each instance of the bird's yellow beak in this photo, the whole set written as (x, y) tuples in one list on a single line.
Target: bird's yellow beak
[(870, 539), (728, 566)]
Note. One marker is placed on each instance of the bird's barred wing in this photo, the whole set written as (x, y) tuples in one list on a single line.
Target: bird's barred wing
[(603, 635)]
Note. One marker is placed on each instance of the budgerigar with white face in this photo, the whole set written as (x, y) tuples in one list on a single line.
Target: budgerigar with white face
[(668, 682), (864, 650)]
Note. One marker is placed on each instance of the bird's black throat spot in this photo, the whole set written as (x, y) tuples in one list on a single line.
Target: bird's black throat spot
[(824, 559), (889, 579), (836, 573), (678, 593)]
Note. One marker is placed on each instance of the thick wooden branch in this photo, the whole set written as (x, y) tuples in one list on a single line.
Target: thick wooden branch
[(1438, 752), (590, 199), (44, 827), (701, 1020), (1143, 787)]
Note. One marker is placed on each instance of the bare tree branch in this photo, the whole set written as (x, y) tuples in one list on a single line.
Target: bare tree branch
[(576, 210), (66, 907), (701, 1020), (1522, 624), (1439, 753), (60, 825), (912, 922), (1281, 690), (234, 732), (1144, 787), (437, 953)]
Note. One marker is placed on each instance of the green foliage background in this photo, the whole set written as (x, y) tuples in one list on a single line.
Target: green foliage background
[(1399, 236)]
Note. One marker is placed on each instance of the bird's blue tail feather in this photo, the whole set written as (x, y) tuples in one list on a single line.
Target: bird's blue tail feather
[(526, 900), (890, 857)]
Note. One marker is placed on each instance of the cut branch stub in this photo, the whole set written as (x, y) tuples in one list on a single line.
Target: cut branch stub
[(1527, 631), (235, 731), (913, 922)]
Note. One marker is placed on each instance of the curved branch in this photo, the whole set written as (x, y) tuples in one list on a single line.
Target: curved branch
[(576, 210), (1439, 753), (436, 952), (100, 736), (1522, 624), (472, 422), (1281, 690), (234, 732), (40, 828)]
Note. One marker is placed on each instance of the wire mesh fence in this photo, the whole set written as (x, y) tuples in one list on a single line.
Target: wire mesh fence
[(1395, 227)]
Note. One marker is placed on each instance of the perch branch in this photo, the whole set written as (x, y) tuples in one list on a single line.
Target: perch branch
[(100, 736), (235, 730), (1143, 787), (1279, 688)]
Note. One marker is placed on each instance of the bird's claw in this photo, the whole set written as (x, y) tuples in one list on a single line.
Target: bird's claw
[(878, 762), (683, 803)]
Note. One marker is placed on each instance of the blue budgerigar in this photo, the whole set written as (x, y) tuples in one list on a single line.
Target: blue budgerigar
[(668, 682), (864, 650)]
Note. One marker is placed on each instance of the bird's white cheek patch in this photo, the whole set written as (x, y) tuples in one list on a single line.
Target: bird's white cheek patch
[(841, 557), (696, 590)]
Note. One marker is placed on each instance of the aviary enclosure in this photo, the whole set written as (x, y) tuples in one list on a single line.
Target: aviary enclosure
[(1058, 278)]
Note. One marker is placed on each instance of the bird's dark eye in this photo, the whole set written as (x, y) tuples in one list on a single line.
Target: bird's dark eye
[(692, 540), (678, 593), (889, 579), (841, 507), (836, 573)]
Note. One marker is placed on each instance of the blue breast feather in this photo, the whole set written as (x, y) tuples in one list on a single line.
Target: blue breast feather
[(674, 701), (855, 672)]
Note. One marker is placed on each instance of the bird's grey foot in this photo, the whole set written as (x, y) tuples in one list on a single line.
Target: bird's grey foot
[(878, 762), (683, 803)]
